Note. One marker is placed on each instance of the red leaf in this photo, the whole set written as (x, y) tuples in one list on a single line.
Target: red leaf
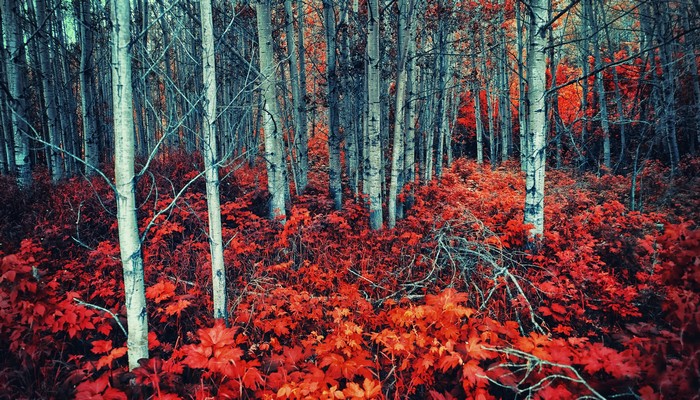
[(101, 346)]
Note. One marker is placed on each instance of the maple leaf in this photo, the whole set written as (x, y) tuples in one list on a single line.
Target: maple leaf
[(470, 374), (449, 361), (107, 360), (372, 388), (353, 390), (161, 291), (176, 308), (101, 346)]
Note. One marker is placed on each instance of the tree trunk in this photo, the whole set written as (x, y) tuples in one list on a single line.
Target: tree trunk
[(522, 101), (54, 156), (409, 159), (125, 180), (599, 84), (373, 118), (397, 162), (218, 272), (301, 168), (91, 140), (537, 74), (334, 166), (15, 69), (274, 150)]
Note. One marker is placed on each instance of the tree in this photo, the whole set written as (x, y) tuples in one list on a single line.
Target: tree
[(211, 162), (53, 153), (536, 135), (334, 167), (374, 151), (301, 139), (87, 97), (125, 179), (274, 149), (14, 67), (406, 8)]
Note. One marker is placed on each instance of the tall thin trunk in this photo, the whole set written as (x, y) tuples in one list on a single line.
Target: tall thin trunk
[(599, 84), (8, 159), (409, 159), (15, 69), (373, 118), (334, 166), (301, 177), (47, 83), (691, 57), (91, 140), (125, 183), (218, 272), (274, 149), (397, 162), (536, 156), (522, 101), (303, 135)]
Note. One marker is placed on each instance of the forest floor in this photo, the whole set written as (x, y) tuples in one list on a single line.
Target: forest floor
[(449, 304)]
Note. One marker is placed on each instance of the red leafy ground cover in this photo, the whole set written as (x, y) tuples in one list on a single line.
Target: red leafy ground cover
[(450, 304)]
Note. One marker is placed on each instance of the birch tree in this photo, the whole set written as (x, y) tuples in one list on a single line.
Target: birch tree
[(536, 151), (334, 167), (15, 69), (373, 182), (218, 272), (87, 97), (125, 179), (272, 121), (47, 84), (300, 137), (397, 164)]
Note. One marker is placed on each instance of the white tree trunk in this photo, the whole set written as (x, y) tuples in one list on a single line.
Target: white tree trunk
[(14, 64), (397, 162), (535, 160), (334, 167), (274, 150), (218, 272), (129, 243), (47, 84), (301, 169), (90, 138), (373, 118)]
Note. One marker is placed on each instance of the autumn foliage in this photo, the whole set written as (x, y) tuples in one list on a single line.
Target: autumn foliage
[(450, 304)]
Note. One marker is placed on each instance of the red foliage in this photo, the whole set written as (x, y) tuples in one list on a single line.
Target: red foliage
[(447, 305)]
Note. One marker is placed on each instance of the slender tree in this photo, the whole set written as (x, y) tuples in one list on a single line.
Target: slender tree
[(373, 181), (274, 149), (397, 163), (536, 152), (15, 70), (47, 84), (334, 167), (91, 139), (302, 162), (125, 179), (211, 162)]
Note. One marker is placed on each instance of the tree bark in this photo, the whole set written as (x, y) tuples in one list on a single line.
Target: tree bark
[(397, 158), (274, 149), (211, 162), (15, 69), (373, 118), (125, 180), (535, 166), (47, 82), (300, 159), (334, 166), (91, 140)]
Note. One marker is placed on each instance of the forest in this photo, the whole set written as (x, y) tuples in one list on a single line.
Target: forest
[(349, 199)]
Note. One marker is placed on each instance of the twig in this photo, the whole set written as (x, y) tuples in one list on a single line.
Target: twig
[(82, 303)]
